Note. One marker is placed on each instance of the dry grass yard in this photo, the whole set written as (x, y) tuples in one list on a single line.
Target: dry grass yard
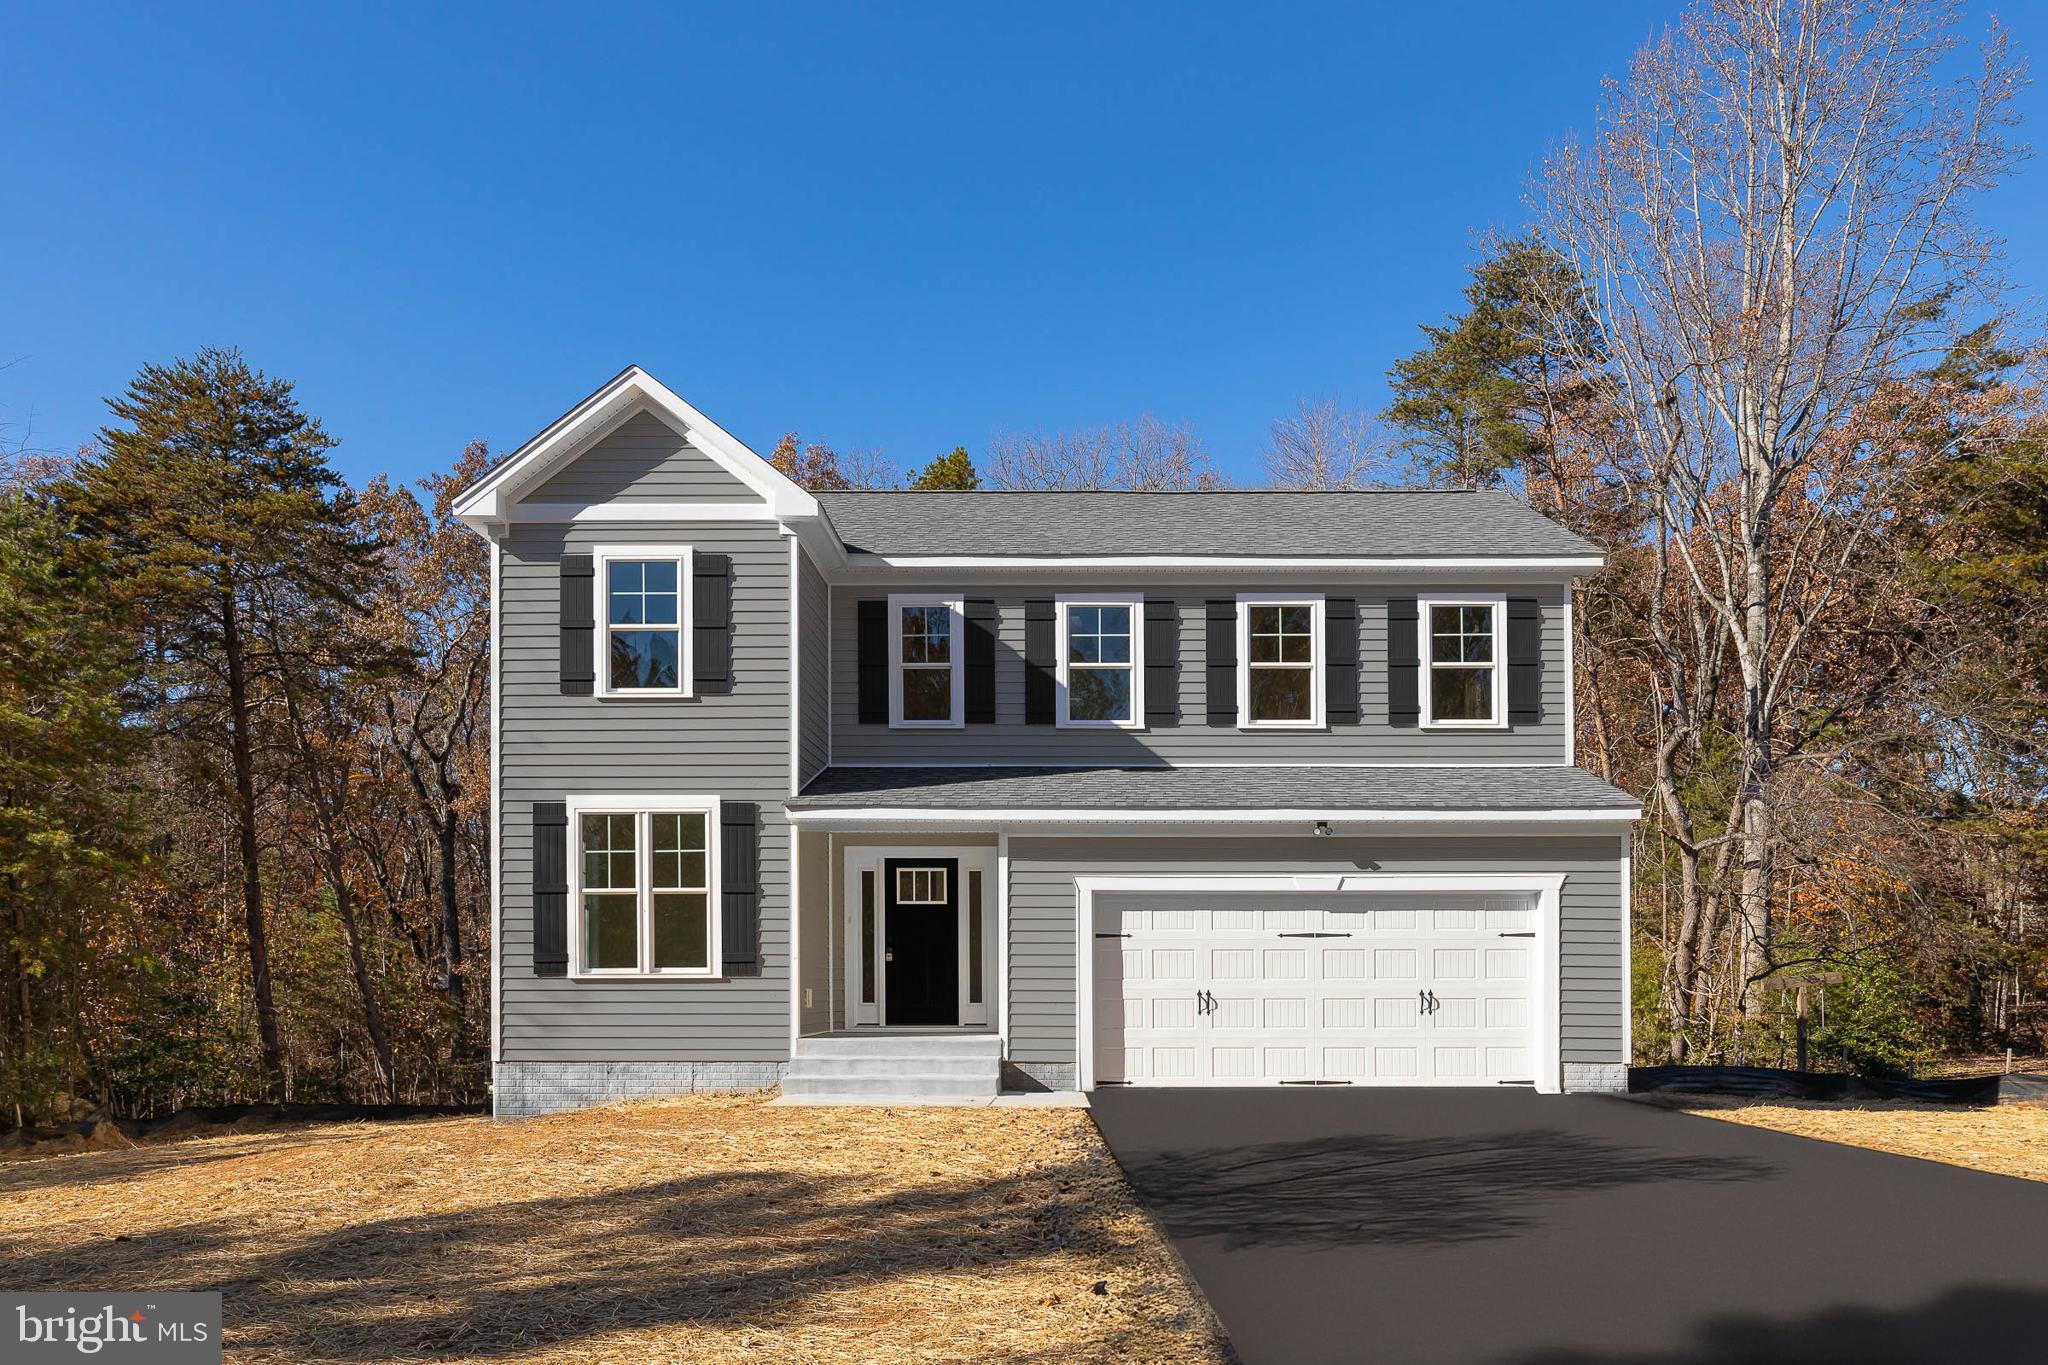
[(712, 1228), (2011, 1139)]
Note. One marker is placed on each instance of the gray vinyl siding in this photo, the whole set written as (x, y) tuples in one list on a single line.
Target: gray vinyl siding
[(1592, 989), (818, 946), (734, 746), (1011, 741), (643, 460), (814, 654)]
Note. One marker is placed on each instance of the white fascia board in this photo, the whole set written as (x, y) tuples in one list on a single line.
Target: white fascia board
[(840, 817), (864, 565), (489, 504)]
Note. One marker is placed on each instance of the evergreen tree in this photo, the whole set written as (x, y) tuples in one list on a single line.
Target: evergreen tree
[(215, 502), (953, 471), (65, 827), (1476, 399)]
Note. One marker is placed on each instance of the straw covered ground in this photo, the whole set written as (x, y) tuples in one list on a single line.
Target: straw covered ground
[(709, 1228), (2010, 1139)]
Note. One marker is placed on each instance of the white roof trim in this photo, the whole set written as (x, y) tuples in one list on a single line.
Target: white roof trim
[(923, 815), (633, 389), (861, 561)]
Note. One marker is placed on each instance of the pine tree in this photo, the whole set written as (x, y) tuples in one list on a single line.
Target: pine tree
[(215, 502), (1475, 399), (65, 826), (953, 471)]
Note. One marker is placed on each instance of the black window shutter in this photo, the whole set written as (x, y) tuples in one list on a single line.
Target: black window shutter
[(711, 624), (579, 629), (1525, 660), (871, 651), (550, 888), (739, 885), (1404, 663), (1162, 662), (981, 661), (1340, 621), (1222, 661), (1041, 663)]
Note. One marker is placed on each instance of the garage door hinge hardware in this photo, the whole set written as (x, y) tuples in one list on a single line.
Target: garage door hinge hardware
[(1315, 936), (1526, 933), (1102, 935)]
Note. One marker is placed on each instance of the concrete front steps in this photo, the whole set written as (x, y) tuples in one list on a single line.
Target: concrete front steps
[(895, 1068)]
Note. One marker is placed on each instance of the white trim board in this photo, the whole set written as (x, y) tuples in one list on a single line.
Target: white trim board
[(1545, 1039), (866, 562), (985, 820)]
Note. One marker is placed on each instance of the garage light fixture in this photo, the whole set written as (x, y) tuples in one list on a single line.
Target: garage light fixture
[(1322, 827)]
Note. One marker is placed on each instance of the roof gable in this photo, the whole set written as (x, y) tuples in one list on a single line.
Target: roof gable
[(628, 394)]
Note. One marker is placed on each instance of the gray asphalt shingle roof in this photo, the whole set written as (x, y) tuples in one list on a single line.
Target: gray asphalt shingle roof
[(1222, 788), (1404, 523)]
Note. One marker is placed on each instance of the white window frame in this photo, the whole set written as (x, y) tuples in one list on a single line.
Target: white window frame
[(1136, 602), (1318, 655), (1498, 601), (682, 556), (956, 607), (643, 809)]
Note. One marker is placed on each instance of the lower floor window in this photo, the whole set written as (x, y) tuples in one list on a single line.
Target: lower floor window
[(645, 891)]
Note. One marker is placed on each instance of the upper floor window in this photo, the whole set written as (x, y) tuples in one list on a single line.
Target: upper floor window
[(925, 677), (643, 601), (644, 882), (1101, 660), (1463, 681), (1280, 660)]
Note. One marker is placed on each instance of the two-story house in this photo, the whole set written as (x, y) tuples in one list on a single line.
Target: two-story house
[(896, 793)]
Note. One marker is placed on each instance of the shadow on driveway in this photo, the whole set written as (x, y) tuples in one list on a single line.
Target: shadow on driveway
[(1521, 1229), (1352, 1189)]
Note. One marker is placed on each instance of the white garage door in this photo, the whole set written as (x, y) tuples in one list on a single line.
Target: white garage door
[(1429, 989)]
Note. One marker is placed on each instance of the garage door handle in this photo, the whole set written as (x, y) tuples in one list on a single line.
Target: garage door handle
[(1315, 936), (1526, 933)]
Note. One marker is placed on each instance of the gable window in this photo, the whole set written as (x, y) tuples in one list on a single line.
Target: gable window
[(925, 676), (1280, 653), (1101, 660), (1463, 681), (643, 601), (644, 884)]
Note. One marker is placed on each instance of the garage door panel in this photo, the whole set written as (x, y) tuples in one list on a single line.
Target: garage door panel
[(1344, 964), (1415, 991), (1283, 964), (1396, 964)]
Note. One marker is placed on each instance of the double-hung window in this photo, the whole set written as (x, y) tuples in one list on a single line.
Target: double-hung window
[(1463, 682), (926, 680), (644, 895), (643, 607), (1101, 660), (1280, 660)]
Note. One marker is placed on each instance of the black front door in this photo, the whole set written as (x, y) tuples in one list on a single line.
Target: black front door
[(921, 945)]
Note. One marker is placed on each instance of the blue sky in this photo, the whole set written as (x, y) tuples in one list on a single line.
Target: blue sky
[(881, 226)]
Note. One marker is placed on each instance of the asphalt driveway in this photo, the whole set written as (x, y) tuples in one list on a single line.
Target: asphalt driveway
[(1509, 1227)]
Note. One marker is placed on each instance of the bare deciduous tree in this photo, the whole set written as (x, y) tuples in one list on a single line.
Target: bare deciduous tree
[(1772, 224), (1324, 446), (1147, 455)]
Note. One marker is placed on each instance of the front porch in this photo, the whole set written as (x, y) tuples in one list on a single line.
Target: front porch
[(898, 969)]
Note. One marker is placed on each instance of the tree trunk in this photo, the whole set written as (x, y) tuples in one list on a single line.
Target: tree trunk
[(446, 828), (242, 747)]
